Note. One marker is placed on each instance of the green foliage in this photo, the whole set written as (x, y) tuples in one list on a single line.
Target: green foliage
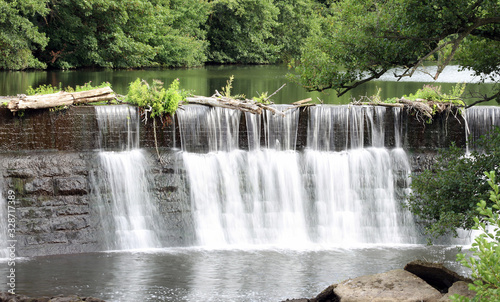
[(359, 40), (48, 89), (297, 19), (443, 198), (242, 31), (155, 97), (485, 262), (150, 33), (43, 89), (263, 98), (433, 93), (19, 35), (125, 33)]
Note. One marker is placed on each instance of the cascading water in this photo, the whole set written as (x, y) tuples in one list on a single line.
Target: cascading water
[(352, 192), (127, 212), (480, 120), (277, 196)]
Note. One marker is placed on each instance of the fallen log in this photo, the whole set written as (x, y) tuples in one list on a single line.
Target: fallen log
[(40, 101), (225, 103)]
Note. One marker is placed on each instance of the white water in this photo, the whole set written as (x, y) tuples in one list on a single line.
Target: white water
[(480, 120), (128, 214), (277, 196)]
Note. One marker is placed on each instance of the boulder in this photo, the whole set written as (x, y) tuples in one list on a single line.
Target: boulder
[(461, 288), (396, 285), (435, 274)]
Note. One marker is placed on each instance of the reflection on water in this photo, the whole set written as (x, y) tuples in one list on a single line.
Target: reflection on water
[(192, 274), (249, 80)]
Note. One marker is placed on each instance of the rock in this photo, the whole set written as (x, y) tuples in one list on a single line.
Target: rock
[(434, 274), (74, 185), (327, 295), (461, 288), (396, 285)]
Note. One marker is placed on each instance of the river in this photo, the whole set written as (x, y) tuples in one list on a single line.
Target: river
[(249, 80)]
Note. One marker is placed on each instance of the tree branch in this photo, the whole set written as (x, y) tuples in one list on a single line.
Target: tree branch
[(485, 99), (375, 75)]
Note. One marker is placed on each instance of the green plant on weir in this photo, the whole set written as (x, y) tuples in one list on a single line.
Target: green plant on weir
[(263, 98), (48, 89), (432, 93), (226, 90), (161, 101), (485, 262)]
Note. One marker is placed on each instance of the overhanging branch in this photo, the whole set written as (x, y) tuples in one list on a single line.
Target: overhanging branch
[(346, 88)]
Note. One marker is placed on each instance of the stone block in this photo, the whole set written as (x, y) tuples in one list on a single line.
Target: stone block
[(74, 185)]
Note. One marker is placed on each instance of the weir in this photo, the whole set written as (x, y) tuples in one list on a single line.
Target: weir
[(90, 179)]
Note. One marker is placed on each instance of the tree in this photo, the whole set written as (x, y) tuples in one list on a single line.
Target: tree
[(296, 21), (444, 198), (241, 31), (125, 33), (360, 40), (19, 36)]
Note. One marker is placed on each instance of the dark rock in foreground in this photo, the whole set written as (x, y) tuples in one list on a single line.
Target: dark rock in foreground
[(419, 281)]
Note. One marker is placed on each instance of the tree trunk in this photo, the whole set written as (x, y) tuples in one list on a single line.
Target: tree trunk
[(60, 99)]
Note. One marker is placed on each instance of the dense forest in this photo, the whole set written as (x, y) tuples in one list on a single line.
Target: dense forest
[(333, 44), (152, 33)]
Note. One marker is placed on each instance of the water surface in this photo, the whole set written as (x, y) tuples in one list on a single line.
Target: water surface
[(250, 80), (196, 274)]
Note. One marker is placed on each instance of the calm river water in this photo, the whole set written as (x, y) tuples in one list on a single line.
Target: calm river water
[(248, 80), (193, 274)]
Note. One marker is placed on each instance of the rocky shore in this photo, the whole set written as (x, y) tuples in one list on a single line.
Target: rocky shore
[(418, 281)]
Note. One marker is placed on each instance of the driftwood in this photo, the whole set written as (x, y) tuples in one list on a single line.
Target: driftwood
[(225, 102), (60, 99)]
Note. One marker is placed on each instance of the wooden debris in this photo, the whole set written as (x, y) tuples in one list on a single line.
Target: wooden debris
[(62, 98)]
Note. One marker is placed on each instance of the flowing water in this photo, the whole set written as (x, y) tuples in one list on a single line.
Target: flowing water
[(481, 120), (129, 218), (274, 195)]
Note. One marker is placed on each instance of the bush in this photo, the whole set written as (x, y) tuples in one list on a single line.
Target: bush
[(444, 198), (485, 262), (155, 97)]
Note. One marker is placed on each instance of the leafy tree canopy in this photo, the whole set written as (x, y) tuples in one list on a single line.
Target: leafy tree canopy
[(242, 31), (360, 40), (124, 33), (19, 37)]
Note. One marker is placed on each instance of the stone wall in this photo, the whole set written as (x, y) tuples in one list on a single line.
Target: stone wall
[(49, 158)]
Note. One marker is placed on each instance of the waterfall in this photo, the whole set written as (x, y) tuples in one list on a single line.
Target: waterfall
[(480, 120), (337, 191), (128, 214), (354, 195)]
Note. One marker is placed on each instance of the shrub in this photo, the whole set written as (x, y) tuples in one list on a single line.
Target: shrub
[(485, 262), (155, 97)]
